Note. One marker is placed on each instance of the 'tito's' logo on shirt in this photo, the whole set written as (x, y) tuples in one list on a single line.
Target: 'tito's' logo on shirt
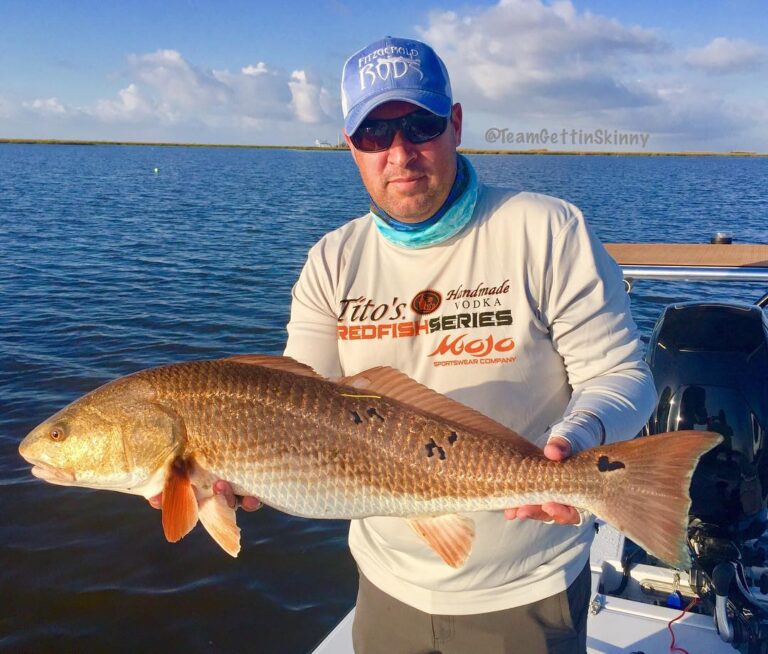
[(426, 302)]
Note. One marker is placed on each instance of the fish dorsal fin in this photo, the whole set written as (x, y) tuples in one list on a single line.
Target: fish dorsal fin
[(399, 386), (278, 363), (179, 503), (451, 536), (220, 522)]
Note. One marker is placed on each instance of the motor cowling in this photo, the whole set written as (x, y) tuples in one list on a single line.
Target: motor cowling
[(710, 366)]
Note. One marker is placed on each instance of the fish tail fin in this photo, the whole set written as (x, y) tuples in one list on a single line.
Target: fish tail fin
[(647, 489)]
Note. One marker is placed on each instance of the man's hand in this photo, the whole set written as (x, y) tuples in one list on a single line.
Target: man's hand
[(557, 449), (247, 502), (220, 487)]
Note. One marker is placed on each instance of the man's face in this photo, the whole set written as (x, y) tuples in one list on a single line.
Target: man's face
[(408, 181)]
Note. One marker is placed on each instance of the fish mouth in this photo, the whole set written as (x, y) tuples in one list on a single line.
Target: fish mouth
[(53, 475)]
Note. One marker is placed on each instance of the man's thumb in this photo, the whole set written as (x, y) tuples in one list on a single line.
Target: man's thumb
[(557, 448)]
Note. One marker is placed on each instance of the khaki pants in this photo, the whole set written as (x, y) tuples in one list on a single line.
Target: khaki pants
[(554, 625)]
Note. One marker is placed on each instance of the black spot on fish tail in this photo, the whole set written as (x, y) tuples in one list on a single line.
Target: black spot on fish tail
[(372, 412), (356, 417), (604, 464)]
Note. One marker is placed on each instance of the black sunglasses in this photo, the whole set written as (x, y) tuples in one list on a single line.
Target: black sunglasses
[(377, 134)]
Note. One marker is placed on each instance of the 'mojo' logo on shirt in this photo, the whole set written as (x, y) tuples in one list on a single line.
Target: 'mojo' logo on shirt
[(478, 347)]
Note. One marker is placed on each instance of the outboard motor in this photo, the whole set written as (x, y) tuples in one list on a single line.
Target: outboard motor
[(710, 365)]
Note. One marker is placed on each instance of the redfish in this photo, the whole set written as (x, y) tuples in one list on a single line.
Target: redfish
[(374, 444)]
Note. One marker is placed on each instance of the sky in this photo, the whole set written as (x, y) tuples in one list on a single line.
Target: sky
[(573, 74)]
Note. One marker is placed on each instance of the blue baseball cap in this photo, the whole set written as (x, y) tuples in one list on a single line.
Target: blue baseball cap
[(393, 69)]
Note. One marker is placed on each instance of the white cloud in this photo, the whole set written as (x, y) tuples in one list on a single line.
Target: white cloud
[(258, 69), (131, 105), (167, 96), (525, 55), (170, 89), (177, 83), (167, 92), (46, 106), (309, 100), (722, 56), (256, 93), (530, 64)]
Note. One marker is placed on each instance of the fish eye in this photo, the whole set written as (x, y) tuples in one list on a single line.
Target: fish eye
[(57, 434)]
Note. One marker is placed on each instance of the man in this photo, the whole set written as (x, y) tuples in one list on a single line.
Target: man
[(504, 301)]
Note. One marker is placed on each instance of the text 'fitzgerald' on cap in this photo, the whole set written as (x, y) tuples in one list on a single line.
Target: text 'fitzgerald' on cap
[(393, 69)]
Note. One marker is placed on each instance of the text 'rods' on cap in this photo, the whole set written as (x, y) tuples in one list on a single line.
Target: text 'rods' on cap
[(393, 69)]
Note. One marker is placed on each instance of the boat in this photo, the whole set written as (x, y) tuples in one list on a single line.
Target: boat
[(706, 352)]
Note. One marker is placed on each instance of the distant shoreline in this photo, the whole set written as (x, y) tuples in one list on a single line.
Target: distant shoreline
[(335, 148)]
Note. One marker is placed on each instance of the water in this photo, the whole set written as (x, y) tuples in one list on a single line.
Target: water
[(107, 267)]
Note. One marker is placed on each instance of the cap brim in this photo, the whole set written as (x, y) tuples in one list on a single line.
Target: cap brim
[(435, 102)]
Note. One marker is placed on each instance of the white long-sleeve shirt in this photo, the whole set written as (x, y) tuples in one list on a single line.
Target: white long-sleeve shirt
[(522, 316)]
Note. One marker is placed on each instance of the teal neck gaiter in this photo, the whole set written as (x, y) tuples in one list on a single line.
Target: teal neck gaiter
[(448, 221)]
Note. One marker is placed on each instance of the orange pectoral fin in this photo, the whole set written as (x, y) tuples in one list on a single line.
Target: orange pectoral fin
[(179, 503), (451, 536)]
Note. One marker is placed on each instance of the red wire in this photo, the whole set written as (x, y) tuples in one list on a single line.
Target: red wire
[(672, 646)]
